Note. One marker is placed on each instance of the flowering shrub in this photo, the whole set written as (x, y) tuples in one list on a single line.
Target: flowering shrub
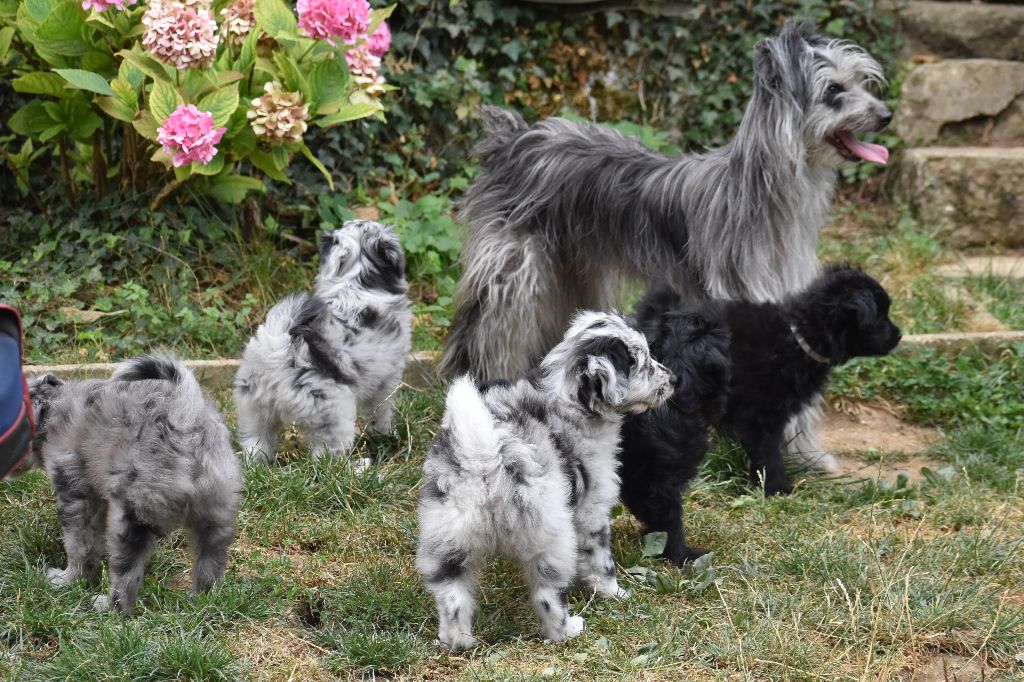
[(112, 85)]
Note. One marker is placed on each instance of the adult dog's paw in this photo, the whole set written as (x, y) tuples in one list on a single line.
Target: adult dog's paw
[(459, 642), (57, 577)]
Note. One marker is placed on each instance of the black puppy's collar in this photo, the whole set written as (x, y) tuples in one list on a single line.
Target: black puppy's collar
[(811, 353)]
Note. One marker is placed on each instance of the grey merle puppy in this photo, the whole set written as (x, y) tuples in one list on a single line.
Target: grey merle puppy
[(131, 459), (562, 212), (320, 355), (528, 469)]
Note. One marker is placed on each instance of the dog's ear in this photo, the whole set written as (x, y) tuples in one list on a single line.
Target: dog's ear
[(326, 242), (861, 310), (389, 255), (603, 372)]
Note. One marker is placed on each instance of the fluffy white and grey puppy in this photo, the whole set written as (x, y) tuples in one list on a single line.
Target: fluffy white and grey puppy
[(320, 355), (131, 459), (528, 469)]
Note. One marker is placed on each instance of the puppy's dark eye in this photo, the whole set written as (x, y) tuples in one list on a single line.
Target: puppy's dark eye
[(834, 90)]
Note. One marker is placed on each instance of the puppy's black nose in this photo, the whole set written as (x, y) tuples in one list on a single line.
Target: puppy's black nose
[(884, 119)]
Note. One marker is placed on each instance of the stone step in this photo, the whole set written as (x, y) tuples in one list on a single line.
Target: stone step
[(1006, 266), (963, 102), (970, 196), (962, 29)]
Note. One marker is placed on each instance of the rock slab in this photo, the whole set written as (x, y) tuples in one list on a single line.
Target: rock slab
[(963, 101), (971, 196), (962, 29)]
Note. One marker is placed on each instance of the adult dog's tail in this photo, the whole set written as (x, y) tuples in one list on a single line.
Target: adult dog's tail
[(160, 366)]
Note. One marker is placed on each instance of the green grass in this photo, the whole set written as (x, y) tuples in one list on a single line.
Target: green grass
[(1004, 298), (839, 581)]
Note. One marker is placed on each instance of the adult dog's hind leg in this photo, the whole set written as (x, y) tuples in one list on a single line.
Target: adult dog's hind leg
[(803, 438), (510, 308)]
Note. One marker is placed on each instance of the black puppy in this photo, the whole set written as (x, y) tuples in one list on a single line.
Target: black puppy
[(779, 356)]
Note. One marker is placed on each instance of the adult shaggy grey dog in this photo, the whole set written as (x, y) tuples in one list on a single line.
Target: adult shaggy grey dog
[(562, 213), (130, 460), (320, 355), (528, 469)]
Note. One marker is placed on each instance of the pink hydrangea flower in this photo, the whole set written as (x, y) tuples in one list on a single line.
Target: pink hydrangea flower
[(364, 67), (189, 135), (183, 36), (330, 19), (104, 5), (380, 41), (239, 19)]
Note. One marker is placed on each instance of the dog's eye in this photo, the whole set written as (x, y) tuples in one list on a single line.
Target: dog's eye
[(834, 90)]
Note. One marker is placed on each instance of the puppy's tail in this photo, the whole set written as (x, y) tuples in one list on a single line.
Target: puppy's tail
[(472, 427), (160, 366)]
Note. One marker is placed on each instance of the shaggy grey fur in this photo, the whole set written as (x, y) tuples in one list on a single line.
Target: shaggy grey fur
[(562, 212), (528, 469), (320, 355), (131, 459)]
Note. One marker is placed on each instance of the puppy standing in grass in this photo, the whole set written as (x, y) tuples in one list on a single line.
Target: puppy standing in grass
[(773, 357), (528, 469), (320, 354), (138, 455)]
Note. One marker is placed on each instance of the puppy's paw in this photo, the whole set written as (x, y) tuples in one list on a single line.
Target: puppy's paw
[(57, 577), (781, 487), (101, 603), (461, 641), (361, 465), (685, 554), (575, 625)]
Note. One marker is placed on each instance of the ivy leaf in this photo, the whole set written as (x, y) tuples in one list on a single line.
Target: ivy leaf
[(39, 83), (87, 80), (276, 18), (163, 100), (513, 49), (221, 104), (654, 543), (484, 11)]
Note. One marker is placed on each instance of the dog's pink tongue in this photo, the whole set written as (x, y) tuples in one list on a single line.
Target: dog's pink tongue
[(875, 153)]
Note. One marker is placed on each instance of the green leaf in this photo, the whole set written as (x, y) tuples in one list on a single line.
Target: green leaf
[(131, 74), (6, 35), (327, 87), (350, 112), (30, 120), (87, 80), (290, 74), (125, 92), (308, 153), (654, 543), (63, 30), (276, 18), (163, 100), (215, 166), (221, 104), (115, 108), (146, 125), (146, 65), (378, 16), (265, 162), (39, 83), (233, 188)]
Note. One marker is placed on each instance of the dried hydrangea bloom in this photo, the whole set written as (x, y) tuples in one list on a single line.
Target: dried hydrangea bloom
[(365, 69), (104, 5), (348, 20), (180, 35), (380, 41), (278, 117), (239, 19), (189, 135)]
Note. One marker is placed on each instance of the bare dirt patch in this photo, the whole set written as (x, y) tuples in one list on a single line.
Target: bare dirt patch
[(948, 668), (870, 441)]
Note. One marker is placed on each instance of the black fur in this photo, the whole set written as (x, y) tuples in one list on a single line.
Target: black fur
[(741, 369), (307, 330)]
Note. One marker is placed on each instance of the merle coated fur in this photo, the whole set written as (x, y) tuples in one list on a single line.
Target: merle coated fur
[(320, 354), (751, 350), (527, 468), (130, 460), (561, 212)]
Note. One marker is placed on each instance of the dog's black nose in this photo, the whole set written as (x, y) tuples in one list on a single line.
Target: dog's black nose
[(884, 119)]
